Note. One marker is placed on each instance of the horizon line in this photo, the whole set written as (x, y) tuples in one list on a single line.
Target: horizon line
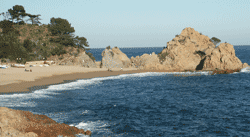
[(153, 47)]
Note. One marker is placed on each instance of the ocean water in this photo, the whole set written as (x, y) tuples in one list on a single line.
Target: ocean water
[(190, 104)]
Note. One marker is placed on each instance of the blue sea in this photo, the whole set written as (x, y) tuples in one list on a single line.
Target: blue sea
[(190, 104)]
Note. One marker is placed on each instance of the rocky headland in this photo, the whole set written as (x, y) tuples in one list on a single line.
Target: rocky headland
[(18, 123), (189, 51)]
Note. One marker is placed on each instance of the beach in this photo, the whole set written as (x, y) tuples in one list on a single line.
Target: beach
[(17, 80)]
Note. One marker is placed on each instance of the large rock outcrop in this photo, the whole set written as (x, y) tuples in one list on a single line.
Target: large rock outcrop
[(193, 51), (182, 51), (18, 123), (114, 59)]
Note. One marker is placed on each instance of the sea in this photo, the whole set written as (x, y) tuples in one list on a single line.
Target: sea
[(152, 104)]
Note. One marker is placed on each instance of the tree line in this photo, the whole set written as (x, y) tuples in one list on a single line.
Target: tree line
[(18, 13), (12, 48)]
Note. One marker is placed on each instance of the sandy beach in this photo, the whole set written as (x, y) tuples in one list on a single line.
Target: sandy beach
[(17, 80)]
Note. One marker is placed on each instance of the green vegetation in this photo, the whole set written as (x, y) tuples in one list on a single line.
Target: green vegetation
[(176, 35), (33, 42), (215, 40), (108, 47), (182, 41), (162, 56)]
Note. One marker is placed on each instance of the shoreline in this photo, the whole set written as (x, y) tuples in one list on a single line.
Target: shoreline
[(35, 81), (24, 86)]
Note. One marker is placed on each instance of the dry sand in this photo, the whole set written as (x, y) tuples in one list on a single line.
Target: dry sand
[(18, 80)]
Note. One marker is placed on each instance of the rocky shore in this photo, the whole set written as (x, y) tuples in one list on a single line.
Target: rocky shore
[(17, 123), (189, 51)]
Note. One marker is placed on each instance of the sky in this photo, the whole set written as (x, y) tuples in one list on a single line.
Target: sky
[(144, 23)]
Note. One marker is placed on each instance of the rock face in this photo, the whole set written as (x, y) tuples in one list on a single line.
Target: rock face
[(146, 61), (114, 59), (222, 58), (182, 50), (193, 51), (17, 123), (84, 60)]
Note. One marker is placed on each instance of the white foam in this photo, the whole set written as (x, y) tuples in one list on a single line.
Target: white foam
[(80, 84), (22, 99), (245, 70)]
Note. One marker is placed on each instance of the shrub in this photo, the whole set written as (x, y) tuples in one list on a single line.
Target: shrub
[(108, 47), (162, 56), (112, 54), (182, 41), (200, 33), (3, 60), (215, 40), (58, 51), (176, 35)]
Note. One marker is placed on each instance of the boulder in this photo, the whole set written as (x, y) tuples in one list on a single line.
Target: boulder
[(222, 58), (17, 123), (114, 59), (84, 60), (146, 61), (245, 65)]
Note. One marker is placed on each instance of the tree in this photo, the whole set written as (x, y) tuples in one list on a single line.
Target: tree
[(215, 40), (60, 26), (9, 45), (5, 15), (28, 45), (37, 19), (34, 18), (16, 11), (80, 42), (7, 26)]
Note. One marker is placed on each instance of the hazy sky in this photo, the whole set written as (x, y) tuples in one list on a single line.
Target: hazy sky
[(144, 23)]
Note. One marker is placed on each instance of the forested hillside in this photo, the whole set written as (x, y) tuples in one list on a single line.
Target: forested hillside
[(30, 40)]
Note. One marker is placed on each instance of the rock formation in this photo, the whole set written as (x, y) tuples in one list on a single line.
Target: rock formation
[(84, 60), (146, 61), (193, 51), (17, 123), (114, 59), (222, 58)]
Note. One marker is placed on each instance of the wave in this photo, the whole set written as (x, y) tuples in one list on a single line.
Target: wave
[(245, 70)]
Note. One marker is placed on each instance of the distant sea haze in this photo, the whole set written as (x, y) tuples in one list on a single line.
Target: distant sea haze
[(147, 104)]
